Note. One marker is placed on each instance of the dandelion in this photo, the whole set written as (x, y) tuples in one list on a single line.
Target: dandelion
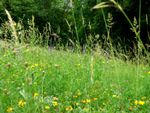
[(69, 108), (136, 102), (47, 107), (21, 103), (9, 109), (35, 95), (88, 100), (141, 102), (55, 103)]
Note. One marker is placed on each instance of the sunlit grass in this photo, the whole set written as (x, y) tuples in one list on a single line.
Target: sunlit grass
[(38, 80)]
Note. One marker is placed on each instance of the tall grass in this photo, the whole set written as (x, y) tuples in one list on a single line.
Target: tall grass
[(33, 36), (36, 80), (113, 3), (133, 25)]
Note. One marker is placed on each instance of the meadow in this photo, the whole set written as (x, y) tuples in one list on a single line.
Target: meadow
[(37, 78), (40, 80)]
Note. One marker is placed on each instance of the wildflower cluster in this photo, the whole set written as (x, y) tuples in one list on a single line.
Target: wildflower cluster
[(69, 108), (35, 66), (55, 103), (86, 101), (140, 102), (9, 109), (21, 103)]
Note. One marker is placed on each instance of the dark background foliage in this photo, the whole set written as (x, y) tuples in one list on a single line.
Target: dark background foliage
[(82, 20)]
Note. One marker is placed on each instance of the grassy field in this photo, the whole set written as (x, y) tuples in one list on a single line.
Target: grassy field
[(38, 80)]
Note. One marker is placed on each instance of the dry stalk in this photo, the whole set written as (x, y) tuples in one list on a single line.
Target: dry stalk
[(12, 25)]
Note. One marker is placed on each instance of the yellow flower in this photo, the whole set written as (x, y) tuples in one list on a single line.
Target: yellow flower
[(35, 95), (95, 99), (136, 102), (47, 107), (21, 103), (83, 101), (88, 100), (55, 103), (9, 109), (33, 66), (141, 102), (69, 108), (75, 96)]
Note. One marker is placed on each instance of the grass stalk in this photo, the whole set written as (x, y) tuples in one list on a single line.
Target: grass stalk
[(12, 25), (74, 19), (140, 43), (92, 69)]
